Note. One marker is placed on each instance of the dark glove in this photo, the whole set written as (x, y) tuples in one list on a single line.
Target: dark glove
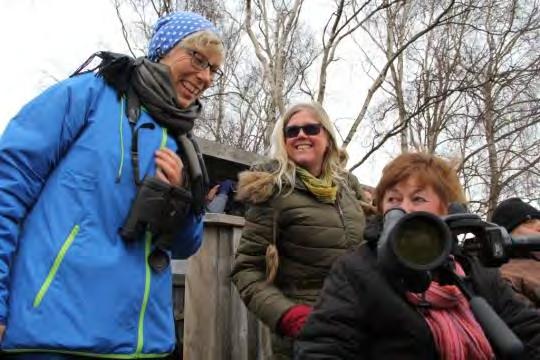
[(226, 187), (293, 320)]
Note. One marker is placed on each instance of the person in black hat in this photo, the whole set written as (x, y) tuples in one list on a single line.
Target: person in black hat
[(521, 219), (518, 217)]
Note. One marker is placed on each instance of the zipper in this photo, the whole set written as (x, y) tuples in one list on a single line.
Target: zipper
[(121, 132), (56, 264), (140, 328), (340, 212)]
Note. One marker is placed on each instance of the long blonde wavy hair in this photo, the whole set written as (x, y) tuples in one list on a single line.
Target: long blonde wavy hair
[(333, 164)]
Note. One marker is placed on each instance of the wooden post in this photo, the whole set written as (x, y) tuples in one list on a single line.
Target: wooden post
[(179, 269), (216, 322)]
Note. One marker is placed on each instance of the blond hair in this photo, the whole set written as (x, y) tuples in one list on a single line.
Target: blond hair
[(204, 40), (333, 165)]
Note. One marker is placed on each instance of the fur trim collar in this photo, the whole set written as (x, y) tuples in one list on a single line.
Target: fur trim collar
[(254, 186)]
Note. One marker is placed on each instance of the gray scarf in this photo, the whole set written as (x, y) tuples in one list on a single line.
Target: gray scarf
[(152, 83), (144, 82)]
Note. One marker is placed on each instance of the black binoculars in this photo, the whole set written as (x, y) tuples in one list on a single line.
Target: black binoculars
[(159, 208)]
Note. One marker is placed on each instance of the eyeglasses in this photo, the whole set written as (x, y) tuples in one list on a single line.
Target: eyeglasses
[(308, 129), (201, 63)]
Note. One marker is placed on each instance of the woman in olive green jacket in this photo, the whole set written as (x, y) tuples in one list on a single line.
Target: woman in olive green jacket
[(303, 211)]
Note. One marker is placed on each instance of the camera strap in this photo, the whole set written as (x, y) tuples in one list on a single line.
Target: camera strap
[(188, 150), (197, 170), (146, 83)]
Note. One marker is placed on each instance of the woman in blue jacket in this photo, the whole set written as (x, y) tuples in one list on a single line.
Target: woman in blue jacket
[(83, 267)]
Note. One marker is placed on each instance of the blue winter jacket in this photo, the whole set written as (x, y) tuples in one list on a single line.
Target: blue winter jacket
[(68, 281)]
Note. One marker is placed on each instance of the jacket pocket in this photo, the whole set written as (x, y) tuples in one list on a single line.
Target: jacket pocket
[(55, 266)]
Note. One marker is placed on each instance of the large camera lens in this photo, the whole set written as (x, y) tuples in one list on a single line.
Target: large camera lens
[(421, 242)]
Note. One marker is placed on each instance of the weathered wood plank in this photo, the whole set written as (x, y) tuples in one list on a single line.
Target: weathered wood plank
[(217, 324)]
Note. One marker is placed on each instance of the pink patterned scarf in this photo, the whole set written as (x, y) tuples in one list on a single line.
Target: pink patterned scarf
[(457, 334)]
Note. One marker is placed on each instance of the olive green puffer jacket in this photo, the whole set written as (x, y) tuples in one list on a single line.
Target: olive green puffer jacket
[(310, 235)]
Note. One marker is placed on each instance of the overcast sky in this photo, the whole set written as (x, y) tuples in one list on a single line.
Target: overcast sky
[(44, 41)]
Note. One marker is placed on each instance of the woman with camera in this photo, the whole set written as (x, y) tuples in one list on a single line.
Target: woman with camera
[(303, 211), (366, 312)]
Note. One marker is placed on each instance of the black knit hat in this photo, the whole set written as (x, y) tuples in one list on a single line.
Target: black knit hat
[(510, 213)]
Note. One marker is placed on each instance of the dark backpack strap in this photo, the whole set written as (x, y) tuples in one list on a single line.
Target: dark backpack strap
[(116, 69)]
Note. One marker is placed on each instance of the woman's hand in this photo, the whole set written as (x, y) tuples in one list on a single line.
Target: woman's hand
[(169, 167), (2, 329)]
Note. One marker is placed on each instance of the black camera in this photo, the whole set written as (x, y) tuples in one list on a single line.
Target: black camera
[(416, 245), (419, 241), (159, 208)]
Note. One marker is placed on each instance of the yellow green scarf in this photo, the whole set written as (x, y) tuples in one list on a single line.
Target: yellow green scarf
[(323, 188)]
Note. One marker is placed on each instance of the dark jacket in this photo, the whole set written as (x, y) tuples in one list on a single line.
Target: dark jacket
[(360, 316), (310, 235)]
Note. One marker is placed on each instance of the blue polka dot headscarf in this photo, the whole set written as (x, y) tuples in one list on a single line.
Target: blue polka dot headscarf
[(171, 29)]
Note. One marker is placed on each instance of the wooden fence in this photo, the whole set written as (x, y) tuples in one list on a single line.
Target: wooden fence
[(216, 324)]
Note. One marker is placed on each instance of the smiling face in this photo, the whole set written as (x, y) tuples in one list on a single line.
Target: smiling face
[(411, 195), (304, 150), (189, 81)]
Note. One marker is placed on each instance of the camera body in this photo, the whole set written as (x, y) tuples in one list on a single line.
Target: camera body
[(422, 241), (414, 245), (159, 208), (489, 242)]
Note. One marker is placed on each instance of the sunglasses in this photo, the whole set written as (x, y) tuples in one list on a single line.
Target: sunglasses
[(309, 129)]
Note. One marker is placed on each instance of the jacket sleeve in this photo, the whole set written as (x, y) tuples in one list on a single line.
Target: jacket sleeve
[(189, 237), (265, 300), (335, 329), (33, 143), (523, 320), (218, 204)]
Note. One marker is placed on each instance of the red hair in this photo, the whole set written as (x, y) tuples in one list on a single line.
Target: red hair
[(428, 170)]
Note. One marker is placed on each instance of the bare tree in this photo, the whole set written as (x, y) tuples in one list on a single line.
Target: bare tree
[(379, 80), (503, 57), (459, 79), (344, 21), (284, 48), (436, 61)]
